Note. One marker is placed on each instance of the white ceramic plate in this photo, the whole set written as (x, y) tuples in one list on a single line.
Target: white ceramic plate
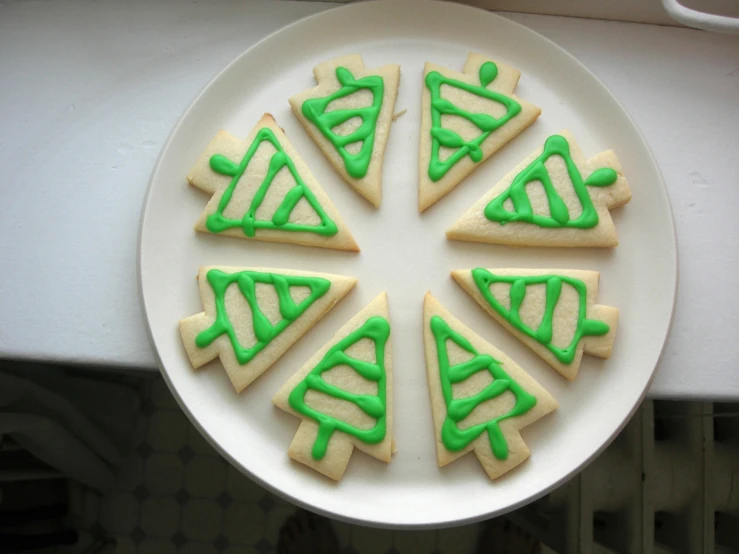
[(406, 254)]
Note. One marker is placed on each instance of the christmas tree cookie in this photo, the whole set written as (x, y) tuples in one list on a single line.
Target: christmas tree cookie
[(252, 316), (348, 115), (480, 398), (555, 197), (553, 311), (263, 190), (344, 395), (466, 118)]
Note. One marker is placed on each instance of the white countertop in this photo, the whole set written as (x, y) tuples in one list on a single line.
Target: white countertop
[(89, 92)]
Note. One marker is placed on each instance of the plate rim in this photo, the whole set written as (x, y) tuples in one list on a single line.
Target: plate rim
[(379, 4)]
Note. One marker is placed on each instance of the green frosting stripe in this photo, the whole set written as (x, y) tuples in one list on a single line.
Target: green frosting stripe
[(376, 329), (217, 222), (536, 171), (484, 279), (486, 123), (454, 438), (264, 330), (314, 111)]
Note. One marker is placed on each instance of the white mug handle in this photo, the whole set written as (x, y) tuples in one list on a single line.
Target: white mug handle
[(701, 20)]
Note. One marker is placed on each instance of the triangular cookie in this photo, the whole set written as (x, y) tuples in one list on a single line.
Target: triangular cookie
[(465, 118), (344, 394), (263, 190), (555, 197), (480, 398), (252, 316), (553, 311), (349, 115)]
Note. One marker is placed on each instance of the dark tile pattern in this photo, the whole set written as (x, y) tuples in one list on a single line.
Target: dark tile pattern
[(170, 523)]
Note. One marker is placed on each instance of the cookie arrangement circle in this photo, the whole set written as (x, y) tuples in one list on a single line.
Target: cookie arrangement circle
[(263, 190)]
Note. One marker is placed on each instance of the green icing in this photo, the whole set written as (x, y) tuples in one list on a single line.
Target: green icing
[(264, 330), (543, 334), (559, 217), (454, 438), (376, 329), (217, 222), (315, 111), (485, 122)]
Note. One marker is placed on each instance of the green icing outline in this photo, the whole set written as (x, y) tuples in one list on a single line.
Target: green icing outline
[(314, 111), (217, 222), (264, 330), (555, 145), (485, 122), (454, 438), (484, 279), (377, 329)]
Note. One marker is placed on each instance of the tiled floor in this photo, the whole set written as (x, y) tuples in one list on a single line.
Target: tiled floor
[(177, 495)]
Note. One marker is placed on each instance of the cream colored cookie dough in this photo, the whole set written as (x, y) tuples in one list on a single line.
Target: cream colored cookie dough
[(559, 334), (463, 367), (253, 315), (282, 210), (339, 394), (458, 131), (356, 107), (530, 221)]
